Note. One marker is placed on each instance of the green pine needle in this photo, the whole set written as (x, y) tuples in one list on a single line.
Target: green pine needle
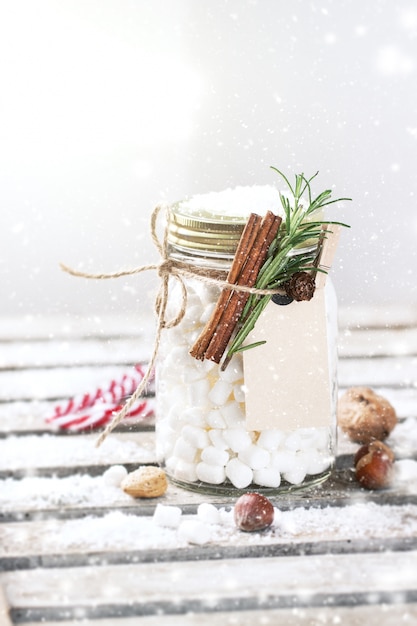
[(298, 233)]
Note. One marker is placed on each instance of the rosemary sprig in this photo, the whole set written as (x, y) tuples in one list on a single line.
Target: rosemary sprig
[(293, 250)]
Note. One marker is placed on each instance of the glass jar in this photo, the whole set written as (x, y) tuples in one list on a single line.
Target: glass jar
[(206, 440)]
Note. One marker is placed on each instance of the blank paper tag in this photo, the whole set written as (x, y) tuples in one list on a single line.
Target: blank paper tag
[(287, 382)]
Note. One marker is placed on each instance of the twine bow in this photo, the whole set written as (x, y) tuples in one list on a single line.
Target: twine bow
[(166, 268)]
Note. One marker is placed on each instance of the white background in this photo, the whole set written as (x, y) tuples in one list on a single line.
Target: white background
[(108, 107)]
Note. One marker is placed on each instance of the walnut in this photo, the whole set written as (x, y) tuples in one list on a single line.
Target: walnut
[(365, 416)]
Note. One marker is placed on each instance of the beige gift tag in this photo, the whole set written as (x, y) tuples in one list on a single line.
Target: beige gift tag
[(287, 382)]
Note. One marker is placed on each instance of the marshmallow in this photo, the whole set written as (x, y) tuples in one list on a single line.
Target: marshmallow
[(239, 474), (114, 475), (237, 438), (239, 392), (184, 450), (197, 392), (185, 471), (267, 477), (233, 414), (234, 371), (195, 417), (208, 513), (208, 310), (255, 457), (295, 476), (215, 419), (220, 392), (293, 441), (316, 462), (217, 439), (214, 456), (192, 313), (322, 438), (283, 460), (214, 474), (167, 516), (270, 439), (196, 436), (174, 362)]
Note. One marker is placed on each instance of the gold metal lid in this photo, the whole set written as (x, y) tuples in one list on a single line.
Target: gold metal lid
[(203, 233)]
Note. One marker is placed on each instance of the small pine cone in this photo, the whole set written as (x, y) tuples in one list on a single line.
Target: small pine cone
[(300, 286)]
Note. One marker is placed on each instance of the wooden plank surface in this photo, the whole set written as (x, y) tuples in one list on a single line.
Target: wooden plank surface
[(76, 549)]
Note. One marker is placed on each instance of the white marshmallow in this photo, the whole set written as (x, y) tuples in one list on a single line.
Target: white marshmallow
[(174, 362), (316, 462), (193, 298), (207, 311), (255, 457), (239, 392), (239, 474), (293, 441), (114, 475), (322, 438), (195, 417), (213, 474), (295, 476), (192, 312), (283, 460), (184, 450), (234, 371), (194, 531), (233, 414), (237, 438), (208, 513), (193, 371), (267, 477), (170, 464), (185, 471), (173, 413), (197, 392), (167, 516), (217, 439), (215, 419), (220, 392), (227, 517), (214, 456), (270, 439), (196, 436)]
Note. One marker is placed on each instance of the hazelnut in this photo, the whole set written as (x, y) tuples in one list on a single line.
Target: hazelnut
[(365, 416), (374, 465), (253, 512)]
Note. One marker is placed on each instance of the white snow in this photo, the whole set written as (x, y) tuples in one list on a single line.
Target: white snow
[(238, 202), (33, 451), (120, 531)]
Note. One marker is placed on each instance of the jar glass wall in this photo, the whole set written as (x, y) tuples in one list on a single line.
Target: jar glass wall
[(202, 437)]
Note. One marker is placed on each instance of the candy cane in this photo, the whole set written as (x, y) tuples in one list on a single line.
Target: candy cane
[(90, 410)]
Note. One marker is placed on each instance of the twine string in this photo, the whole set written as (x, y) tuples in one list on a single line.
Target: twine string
[(166, 268)]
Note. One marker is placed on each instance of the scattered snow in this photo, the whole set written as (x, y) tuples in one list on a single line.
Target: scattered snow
[(37, 493), (34, 451), (238, 202), (120, 531)]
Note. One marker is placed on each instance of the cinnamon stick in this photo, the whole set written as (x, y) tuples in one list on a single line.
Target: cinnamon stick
[(268, 230), (244, 246)]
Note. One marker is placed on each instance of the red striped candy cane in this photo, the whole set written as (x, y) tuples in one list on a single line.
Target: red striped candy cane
[(91, 410)]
